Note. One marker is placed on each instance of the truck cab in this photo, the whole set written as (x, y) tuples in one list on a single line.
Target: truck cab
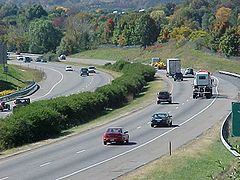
[(202, 84)]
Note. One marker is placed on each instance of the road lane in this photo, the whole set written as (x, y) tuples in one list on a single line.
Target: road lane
[(85, 157)]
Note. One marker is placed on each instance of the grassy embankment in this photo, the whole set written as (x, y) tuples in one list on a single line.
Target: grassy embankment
[(17, 76), (189, 57), (204, 158)]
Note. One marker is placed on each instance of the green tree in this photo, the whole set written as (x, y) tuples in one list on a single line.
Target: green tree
[(230, 43), (43, 36), (8, 9), (35, 11), (146, 30)]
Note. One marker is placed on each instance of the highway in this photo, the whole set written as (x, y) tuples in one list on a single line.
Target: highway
[(58, 82), (85, 157)]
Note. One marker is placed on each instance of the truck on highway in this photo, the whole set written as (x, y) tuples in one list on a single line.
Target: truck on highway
[(158, 63), (202, 84), (173, 66)]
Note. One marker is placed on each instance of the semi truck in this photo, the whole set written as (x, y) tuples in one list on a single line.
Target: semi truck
[(202, 84), (173, 66)]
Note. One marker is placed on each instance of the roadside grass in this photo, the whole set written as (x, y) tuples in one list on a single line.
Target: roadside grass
[(190, 58), (18, 76), (203, 158)]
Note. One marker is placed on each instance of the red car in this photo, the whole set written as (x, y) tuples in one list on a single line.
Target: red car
[(115, 135)]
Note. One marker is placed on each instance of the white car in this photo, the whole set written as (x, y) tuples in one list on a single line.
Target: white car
[(20, 58), (92, 69), (69, 68)]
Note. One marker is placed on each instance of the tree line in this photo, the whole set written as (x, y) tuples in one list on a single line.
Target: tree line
[(214, 25)]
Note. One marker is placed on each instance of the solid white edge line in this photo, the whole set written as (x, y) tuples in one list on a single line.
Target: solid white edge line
[(144, 144), (53, 85), (3, 178)]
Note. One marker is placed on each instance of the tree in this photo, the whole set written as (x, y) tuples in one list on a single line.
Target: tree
[(79, 33), (222, 19), (35, 11), (8, 9), (43, 36), (169, 9), (126, 29), (230, 42), (146, 30), (160, 18)]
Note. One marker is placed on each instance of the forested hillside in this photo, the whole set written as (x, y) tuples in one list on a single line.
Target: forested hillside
[(93, 4), (208, 25)]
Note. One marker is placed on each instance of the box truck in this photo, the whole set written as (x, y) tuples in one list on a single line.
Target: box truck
[(173, 66)]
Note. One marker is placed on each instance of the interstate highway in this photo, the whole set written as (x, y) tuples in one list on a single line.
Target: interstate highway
[(85, 157)]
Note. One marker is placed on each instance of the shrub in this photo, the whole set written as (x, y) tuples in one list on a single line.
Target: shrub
[(47, 118)]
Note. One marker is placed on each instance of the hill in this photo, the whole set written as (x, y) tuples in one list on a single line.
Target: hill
[(95, 4)]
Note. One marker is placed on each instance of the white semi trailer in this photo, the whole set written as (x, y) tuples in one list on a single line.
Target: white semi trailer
[(202, 84), (173, 66)]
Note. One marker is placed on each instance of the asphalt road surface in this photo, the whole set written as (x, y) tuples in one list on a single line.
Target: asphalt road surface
[(85, 157), (59, 82)]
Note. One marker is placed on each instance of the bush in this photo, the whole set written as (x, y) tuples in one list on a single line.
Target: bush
[(47, 118)]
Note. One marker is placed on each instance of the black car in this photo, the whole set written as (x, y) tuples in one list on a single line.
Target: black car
[(178, 76), (27, 59), (84, 72), (161, 119), (21, 102), (164, 96)]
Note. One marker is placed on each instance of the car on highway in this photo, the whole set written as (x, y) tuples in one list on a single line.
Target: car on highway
[(178, 76), (4, 106), (69, 68), (27, 59), (189, 71), (39, 59), (164, 96), (44, 60), (21, 102), (62, 57), (20, 58), (92, 69), (115, 135), (160, 119), (84, 72)]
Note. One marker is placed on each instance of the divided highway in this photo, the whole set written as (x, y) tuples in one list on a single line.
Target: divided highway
[(85, 157), (58, 82)]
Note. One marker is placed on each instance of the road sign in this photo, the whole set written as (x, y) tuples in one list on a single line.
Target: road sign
[(236, 118), (3, 53)]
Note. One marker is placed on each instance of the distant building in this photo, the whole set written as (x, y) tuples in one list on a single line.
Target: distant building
[(115, 12), (141, 10)]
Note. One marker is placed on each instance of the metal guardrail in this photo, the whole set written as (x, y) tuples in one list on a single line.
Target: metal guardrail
[(225, 134), (27, 91), (225, 124)]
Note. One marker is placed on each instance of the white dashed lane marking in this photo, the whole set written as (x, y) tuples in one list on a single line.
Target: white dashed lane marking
[(81, 151), (45, 164)]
